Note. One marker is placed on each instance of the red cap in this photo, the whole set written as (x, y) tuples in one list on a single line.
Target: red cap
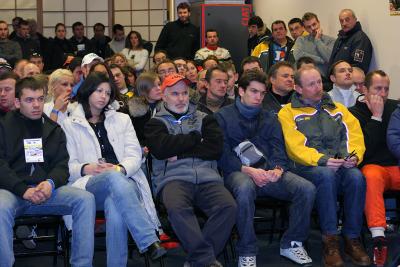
[(171, 80)]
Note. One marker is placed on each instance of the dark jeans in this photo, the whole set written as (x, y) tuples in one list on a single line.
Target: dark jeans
[(348, 182), (202, 245), (289, 187)]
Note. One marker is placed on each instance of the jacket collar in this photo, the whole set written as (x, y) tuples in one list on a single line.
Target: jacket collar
[(355, 29), (326, 102), (78, 115), (164, 112)]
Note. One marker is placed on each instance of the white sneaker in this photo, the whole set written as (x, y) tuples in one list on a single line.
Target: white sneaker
[(297, 254), (247, 261)]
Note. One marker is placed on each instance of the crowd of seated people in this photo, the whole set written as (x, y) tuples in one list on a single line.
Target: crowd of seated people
[(83, 122)]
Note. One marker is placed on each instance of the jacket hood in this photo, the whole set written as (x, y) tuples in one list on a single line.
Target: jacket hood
[(138, 106)]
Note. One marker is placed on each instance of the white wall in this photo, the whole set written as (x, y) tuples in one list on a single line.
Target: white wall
[(382, 29)]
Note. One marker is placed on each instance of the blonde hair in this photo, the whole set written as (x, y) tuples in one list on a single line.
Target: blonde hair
[(55, 78)]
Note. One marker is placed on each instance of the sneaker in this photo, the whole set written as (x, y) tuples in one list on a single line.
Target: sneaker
[(23, 232), (380, 250), (247, 261), (297, 254)]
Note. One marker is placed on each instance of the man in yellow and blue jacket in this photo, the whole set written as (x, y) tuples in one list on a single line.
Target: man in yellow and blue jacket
[(326, 143)]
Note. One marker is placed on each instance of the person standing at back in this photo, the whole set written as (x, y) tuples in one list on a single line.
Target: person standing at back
[(180, 38)]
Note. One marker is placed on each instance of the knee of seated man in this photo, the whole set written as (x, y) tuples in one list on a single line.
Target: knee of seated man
[(324, 176), (373, 173), (241, 185), (355, 178), (7, 202)]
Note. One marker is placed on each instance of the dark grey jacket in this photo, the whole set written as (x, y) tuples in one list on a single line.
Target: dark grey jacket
[(195, 138)]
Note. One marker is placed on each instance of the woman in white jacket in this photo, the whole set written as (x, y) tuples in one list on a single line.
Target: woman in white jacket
[(105, 159)]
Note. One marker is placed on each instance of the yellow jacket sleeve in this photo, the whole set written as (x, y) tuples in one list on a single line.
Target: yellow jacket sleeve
[(259, 48), (295, 141)]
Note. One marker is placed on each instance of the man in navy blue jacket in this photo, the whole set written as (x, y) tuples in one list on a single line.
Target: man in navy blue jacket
[(254, 163)]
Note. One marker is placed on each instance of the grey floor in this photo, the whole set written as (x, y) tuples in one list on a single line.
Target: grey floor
[(268, 254)]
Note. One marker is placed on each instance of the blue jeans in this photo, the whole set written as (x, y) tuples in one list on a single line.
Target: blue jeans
[(289, 187), (65, 200), (348, 182), (118, 196)]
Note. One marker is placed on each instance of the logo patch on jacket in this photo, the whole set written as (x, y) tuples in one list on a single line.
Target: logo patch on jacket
[(359, 55)]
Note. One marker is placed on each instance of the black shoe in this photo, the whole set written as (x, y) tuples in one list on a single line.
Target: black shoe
[(156, 251)]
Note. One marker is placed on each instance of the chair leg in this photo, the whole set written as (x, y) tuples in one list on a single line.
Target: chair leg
[(56, 230), (146, 260), (162, 263), (271, 236), (232, 245)]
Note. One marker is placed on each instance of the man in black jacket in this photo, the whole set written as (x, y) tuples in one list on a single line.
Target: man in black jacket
[(80, 43), (216, 96), (179, 38), (352, 44), (281, 81), (28, 46), (380, 166), (34, 168)]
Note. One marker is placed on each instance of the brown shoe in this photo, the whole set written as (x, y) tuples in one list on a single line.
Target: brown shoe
[(354, 249), (331, 251)]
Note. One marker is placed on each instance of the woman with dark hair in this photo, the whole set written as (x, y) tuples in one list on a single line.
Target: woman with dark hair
[(136, 55), (59, 48), (120, 101), (105, 159), (143, 107), (130, 77)]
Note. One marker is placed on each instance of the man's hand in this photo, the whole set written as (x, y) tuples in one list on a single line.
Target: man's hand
[(46, 188), (375, 104), (31, 196), (318, 34), (335, 164), (274, 175), (259, 176), (34, 195), (351, 162)]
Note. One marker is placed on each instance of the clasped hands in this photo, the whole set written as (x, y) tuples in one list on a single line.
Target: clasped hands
[(39, 193), (261, 177)]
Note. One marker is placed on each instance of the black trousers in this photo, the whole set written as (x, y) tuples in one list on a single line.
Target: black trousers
[(215, 201)]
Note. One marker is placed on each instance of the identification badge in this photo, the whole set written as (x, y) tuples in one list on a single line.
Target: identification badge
[(81, 47), (33, 150)]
